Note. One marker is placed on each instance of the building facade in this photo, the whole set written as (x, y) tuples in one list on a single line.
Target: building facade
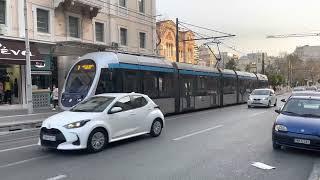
[(166, 45), (206, 57), (308, 52), (63, 30)]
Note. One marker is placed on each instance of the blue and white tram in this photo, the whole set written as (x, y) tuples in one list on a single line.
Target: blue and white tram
[(175, 87)]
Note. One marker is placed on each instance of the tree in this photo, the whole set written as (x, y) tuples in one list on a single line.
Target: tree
[(231, 64)]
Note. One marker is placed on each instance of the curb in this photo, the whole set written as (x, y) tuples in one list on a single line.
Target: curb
[(20, 126), (315, 173)]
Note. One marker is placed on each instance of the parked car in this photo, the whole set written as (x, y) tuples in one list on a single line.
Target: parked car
[(298, 124), (102, 119), (298, 89), (262, 97), (311, 88)]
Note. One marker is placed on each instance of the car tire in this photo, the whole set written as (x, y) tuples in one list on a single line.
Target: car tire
[(269, 104), (276, 146), (249, 106), (275, 104), (156, 128), (97, 141)]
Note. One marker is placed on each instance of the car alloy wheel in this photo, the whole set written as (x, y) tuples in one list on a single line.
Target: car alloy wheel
[(156, 128), (97, 140)]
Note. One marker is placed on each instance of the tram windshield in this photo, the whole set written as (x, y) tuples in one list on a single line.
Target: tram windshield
[(81, 77)]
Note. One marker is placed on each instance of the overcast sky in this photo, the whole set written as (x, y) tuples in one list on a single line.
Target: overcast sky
[(250, 20)]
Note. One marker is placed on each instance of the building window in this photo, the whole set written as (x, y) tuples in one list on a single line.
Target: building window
[(2, 11), (123, 36), (99, 31), (74, 27), (43, 20), (142, 37), (123, 3), (141, 6)]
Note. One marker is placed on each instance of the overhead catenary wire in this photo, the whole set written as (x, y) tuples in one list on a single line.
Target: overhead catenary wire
[(208, 29)]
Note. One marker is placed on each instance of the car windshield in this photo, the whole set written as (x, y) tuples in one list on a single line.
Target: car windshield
[(261, 92), (93, 104), (302, 107)]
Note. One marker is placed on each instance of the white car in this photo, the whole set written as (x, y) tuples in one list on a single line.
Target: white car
[(102, 119), (262, 98)]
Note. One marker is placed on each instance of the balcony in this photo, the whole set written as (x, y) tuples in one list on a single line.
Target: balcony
[(88, 8)]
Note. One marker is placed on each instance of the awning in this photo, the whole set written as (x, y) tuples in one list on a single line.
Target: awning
[(13, 52)]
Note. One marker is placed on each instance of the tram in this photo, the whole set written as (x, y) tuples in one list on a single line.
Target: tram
[(175, 87)]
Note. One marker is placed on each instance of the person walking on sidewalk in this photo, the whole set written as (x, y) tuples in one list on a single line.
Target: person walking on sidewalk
[(55, 97)]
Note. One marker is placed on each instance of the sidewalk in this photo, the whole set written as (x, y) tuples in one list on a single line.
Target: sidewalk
[(12, 120)]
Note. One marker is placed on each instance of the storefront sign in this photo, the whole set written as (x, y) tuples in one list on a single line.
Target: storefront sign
[(13, 52)]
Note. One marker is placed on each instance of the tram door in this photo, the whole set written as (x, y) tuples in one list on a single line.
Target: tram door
[(187, 98)]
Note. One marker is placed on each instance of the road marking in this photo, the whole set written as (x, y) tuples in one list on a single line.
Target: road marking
[(257, 114), (16, 148), (198, 132), (24, 161), (262, 166), (62, 176), (21, 115)]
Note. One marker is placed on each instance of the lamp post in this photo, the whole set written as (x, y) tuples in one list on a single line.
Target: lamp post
[(28, 61)]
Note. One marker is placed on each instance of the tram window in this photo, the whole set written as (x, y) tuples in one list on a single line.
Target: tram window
[(150, 84), (132, 81), (110, 82), (202, 86), (81, 77), (166, 85), (212, 85), (229, 86), (187, 85)]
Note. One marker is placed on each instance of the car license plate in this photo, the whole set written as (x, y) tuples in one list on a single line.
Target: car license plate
[(302, 141), (48, 138)]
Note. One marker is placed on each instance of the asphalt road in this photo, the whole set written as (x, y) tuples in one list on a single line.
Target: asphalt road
[(212, 144)]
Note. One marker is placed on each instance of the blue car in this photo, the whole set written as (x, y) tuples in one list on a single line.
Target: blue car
[(298, 124)]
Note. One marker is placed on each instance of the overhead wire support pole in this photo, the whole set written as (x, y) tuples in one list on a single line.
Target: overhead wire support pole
[(177, 40), (28, 62)]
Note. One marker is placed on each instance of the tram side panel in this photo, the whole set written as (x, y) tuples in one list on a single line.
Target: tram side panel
[(229, 90)]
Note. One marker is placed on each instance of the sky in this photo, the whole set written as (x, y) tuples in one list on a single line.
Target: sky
[(250, 20)]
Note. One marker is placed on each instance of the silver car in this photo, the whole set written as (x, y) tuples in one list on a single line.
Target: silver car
[(262, 98)]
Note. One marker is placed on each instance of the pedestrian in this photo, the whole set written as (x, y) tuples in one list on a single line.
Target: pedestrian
[(55, 97)]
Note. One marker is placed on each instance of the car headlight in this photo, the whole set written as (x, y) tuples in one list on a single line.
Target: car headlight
[(280, 128), (77, 124), (266, 98), (250, 98)]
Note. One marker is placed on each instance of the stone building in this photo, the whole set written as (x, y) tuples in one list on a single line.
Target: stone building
[(166, 45), (63, 30)]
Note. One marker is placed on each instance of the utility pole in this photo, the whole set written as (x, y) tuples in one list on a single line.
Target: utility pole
[(177, 40), (262, 70), (28, 62)]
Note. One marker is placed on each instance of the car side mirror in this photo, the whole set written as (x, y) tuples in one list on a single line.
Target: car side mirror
[(283, 100), (115, 110), (277, 111)]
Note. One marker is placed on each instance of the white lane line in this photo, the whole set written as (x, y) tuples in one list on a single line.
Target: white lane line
[(24, 161), (22, 115), (62, 176), (257, 114), (198, 132), (16, 148)]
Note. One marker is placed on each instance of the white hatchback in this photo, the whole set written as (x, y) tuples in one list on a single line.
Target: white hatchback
[(102, 119), (262, 97)]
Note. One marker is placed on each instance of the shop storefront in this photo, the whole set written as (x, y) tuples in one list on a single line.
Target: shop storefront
[(12, 70)]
